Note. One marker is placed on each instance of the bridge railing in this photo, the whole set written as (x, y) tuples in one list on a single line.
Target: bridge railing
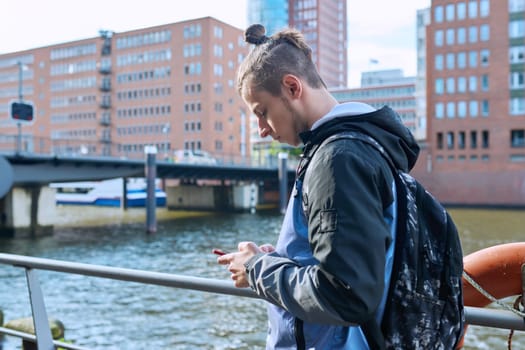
[(31, 144), (474, 316)]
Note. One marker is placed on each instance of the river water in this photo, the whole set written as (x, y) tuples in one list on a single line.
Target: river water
[(107, 314)]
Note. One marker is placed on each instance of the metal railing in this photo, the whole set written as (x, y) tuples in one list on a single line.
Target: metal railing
[(474, 316)]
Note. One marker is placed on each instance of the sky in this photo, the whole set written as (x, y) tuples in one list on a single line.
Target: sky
[(383, 31)]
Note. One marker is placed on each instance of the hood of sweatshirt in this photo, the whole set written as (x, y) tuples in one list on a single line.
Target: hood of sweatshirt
[(384, 125)]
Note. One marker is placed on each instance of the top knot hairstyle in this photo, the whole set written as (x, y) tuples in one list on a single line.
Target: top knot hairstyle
[(255, 34), (285, 52)]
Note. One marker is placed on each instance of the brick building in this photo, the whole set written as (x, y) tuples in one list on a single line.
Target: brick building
[(172, 86), (476, 102)]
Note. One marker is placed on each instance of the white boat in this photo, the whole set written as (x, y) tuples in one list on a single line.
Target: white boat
[(106, 193)]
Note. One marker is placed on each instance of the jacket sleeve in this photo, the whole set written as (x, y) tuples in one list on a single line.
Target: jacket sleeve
[(345, 195)]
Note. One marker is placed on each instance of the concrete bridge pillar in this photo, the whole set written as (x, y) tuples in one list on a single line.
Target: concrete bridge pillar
[(27, 211)]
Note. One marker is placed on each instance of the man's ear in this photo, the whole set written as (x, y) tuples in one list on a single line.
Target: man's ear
[(292, 86)]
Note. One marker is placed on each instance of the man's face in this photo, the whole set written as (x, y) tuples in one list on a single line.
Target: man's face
[(276, 116)]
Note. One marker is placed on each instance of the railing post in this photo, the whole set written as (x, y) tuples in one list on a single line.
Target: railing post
[(151, 200), (44, 339)]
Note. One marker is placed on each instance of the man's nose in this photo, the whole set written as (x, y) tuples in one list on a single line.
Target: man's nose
[(264, 128)]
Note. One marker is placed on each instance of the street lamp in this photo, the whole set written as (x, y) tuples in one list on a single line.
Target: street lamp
[(21, 68)]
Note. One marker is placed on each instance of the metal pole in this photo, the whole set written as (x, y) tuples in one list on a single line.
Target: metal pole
[(151, 201), (21, 100), (283, 181)]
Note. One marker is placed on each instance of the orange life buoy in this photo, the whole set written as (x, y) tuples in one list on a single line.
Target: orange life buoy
[(497, 270)]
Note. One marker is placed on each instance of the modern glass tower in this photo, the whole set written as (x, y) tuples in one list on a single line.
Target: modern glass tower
[(322, 22)]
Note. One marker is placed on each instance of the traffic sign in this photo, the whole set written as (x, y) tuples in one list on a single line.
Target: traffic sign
[(22, 112)]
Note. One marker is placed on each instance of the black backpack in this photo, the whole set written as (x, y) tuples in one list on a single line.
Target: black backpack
[(424, 308)]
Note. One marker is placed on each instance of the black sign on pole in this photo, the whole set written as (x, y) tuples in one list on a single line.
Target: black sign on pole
[(22, 112)]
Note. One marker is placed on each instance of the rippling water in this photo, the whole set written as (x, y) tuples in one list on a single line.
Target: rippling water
[(106, 314)]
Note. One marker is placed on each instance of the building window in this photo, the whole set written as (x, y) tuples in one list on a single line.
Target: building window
[(484, 57), (473, 83), (516, 5), (485, 82), (517, 138), (462, 84), (461, 140), (517, 106), (517, 54), (473, 139), (462, 35), (473, 107), (485, 108), (461, 11), (485, 139), (451, 86), (438, 62), (438, 38), (450, 36), (438, 14), (484, 8), (439, 140), (450, 61), (462, 60), (449, 12), (473, 59), (462, 109), (516, 80), (473, 34), (450, 140), (473, 9), (451, 110), (439, 86), (439, 110), (484, 32), (517, 28)]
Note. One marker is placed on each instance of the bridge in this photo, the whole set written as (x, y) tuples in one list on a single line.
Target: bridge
[(24, 189)]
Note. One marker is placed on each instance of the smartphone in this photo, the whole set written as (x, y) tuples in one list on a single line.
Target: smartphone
[(219, 251)]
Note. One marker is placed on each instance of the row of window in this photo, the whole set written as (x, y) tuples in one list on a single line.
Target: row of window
[(65, 101), (462, 10), (192, 126), (459, 60), (144, 57), (139, 148), (461, 109), (453, 36), (452, 140), (130, 41), (75, 133), (73, 51), (139, 112), (70, 84), (461, 85), (150, 129), (143, 93), (67, 118), (157, 73), (73, 68)]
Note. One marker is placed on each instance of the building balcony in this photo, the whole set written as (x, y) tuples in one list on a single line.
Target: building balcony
[(105, 138), (106, 104), (105, 87), (105, 121), (105, 70)]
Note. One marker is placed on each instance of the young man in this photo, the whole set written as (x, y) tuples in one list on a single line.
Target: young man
[(331, 267)]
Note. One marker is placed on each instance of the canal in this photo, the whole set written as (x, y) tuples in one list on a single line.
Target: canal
[(107, 314)]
